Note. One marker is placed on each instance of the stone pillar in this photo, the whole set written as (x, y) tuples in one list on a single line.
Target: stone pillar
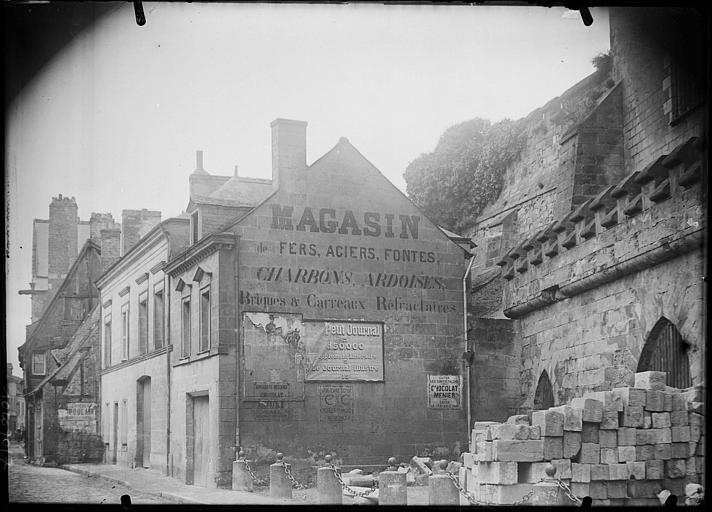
[(241, 480), (392, 486), (327, 485), (279, 484), (442, 489), (547, 492)]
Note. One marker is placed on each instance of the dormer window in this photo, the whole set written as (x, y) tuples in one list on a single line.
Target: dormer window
[(194, 231)]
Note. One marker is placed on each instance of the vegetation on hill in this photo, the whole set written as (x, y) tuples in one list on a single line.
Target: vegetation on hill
[(465, 172)]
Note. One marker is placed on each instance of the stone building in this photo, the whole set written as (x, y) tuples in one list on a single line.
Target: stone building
[(594, 253), (135, 368), (305, 312), (61, 349), (15, 402)]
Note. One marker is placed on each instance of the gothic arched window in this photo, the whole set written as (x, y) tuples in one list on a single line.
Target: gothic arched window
[(666, 351), (544, 395)]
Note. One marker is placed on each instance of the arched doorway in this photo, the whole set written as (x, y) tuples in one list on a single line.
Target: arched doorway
[(666, 351), (544, 395), (143, 422)]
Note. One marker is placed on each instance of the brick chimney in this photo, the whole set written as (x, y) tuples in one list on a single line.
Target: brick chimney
[(134, 225), (110, 246), (63, 236), (289, 150), (99, 221)]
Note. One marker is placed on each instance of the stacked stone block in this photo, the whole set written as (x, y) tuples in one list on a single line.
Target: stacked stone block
[(620, 447)]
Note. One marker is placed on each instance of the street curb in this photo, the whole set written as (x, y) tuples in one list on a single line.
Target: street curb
[(98, 475)]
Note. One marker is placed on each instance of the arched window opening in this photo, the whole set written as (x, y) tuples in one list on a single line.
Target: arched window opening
[(666, 351), (544, 396)]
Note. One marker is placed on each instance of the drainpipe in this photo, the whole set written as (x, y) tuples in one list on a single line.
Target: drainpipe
[(167, 343), (470, 358), (238, 368)]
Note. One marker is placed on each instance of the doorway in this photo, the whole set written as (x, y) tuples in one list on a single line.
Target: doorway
[(201, 435), (115, 450), (143, 422), (38, 429)]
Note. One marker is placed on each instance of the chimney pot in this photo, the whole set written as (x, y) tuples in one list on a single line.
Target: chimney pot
[(199, 160), (236, 173)]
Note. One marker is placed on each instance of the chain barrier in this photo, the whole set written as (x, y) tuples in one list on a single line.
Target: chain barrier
[(255, 479), (465, 494), (288, 472), (345, 486), (568, 491)]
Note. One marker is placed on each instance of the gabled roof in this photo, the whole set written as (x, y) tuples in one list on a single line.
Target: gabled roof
[(69, 357), (89, 244)]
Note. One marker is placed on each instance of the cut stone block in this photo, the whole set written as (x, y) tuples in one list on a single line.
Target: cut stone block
[(678, 402), (501, 473), (661, 420), (643, 436), (663, 435), (553, 447), (645, 488), (504, 494), (509, 431), (691, 466), (643, 502), (675, 468), (600, 502), (484, 451), (609, 455), (573, 417), (630, 397), (608, 438), (650, 380), (654, 469), (654, 400), (695, 433), (468, 459), (698, 407), (681, 434), (563, 468), (676, 486), (645, 452), (617, 489), (518, 419), (667, 401), (580, 489), (572, 444), (680, 450), (598, 490), (632, 416), (551, 422), (636, 470), (515, 451), (695, 418), (679, 419), (647, 419), (599, 472), (590, 453), (611, 401), (663, 451), (609, 420), (589, 432), (626, 454), (580, 472), (535, 433), (592, 410), (627, 436)]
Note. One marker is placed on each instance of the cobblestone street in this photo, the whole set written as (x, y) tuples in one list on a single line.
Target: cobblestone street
[(35, 484)]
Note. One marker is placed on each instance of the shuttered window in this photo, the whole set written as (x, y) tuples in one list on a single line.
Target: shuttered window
[(666, 351)]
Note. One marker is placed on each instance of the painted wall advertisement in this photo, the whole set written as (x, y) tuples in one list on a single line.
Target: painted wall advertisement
[(444, 391), (282, 351)]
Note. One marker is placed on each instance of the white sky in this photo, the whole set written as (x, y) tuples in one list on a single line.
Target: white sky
[(116, 117)]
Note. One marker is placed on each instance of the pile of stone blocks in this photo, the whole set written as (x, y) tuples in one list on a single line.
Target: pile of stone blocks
[(620, 447)]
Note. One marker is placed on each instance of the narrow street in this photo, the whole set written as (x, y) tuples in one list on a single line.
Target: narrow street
[(35, 484)]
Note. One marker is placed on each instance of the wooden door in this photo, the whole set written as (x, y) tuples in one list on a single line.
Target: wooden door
[(201, 437), (146, 413)]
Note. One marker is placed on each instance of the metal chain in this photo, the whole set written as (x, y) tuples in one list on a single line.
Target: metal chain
[(291, 477), (568, 491), (255, 479), (467, 495), (345, 486)]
